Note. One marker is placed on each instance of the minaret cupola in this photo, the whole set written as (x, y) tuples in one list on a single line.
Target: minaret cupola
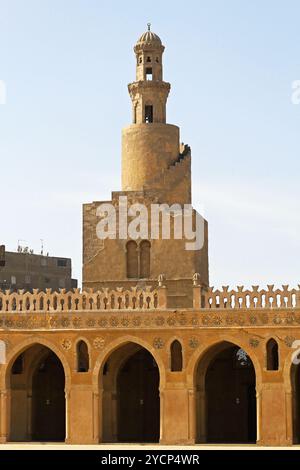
[(149, 92)]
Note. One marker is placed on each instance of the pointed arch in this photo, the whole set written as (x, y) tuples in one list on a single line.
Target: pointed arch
[(226, 408), (42, 381), (138, 360), (196, 372), (116, 344), (14, 353)]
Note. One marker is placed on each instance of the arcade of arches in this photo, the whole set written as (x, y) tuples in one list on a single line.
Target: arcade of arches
[(132, 392)]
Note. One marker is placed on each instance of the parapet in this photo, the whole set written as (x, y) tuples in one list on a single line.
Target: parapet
[(270, 298)]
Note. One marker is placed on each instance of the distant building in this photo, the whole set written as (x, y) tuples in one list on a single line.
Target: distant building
[(26, 270)]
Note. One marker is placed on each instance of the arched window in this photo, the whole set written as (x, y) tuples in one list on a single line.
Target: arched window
[(176, 356), (132, 259), (145, 259), (148, 113), (272, 355), (83, 360)]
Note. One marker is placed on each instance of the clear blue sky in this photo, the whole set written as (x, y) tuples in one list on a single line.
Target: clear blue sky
[(66, 64)]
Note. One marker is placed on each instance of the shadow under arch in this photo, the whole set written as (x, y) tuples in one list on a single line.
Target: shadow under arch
[(223, 377), (17, 350), (201, 351), (129, 375), (115, 344), (35, 407)]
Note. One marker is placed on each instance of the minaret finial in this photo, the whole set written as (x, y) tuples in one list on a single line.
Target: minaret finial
[(149, 26)]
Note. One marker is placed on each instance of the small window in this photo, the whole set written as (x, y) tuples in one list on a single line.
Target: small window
[(272, 355), (18, 365), (176, 356), (149, 73), (148, 113), (145, 259), (13, 280), (132, 259), (83, 360), (43, 261), (157, 60), (141, 60), (27, 279), (62, 263), (149, 59)]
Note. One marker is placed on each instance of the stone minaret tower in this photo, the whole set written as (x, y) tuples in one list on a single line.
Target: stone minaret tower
[(150, 146), (156, 169)]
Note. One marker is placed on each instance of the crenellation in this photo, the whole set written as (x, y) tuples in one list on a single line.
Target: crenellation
[(252, 299), (148, 297)]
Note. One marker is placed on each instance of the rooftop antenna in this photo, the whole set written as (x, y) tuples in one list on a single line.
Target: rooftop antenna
[(42, 246), (149, 26), (19, 246)]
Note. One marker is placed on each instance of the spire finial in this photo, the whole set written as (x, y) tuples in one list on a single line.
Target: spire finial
[(149, 26)]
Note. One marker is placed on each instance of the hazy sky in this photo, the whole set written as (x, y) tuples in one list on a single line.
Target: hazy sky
[(231, 64)]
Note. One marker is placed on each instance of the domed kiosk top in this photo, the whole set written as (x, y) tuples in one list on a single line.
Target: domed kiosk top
[(149, 40)]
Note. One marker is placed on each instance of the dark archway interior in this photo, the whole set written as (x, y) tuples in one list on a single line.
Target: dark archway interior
[(37, 383), (226, 396), (138, 399), (129, 391), (231, 398), (48, 400)]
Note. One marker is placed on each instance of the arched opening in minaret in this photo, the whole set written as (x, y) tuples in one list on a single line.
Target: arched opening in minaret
[(132, 261), (149, 74), (129, 381), (145, 248), (37, 396), (226, 396), (148, 113)]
